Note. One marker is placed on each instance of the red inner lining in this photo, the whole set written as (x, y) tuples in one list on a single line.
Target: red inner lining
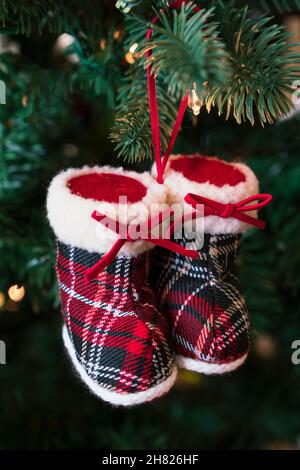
[(107, 187), (208, 170)]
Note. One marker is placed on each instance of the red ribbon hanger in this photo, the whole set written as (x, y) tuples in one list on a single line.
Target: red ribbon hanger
[(132, 234), (154, 118)]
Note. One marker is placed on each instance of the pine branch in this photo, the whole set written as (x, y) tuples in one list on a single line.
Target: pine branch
[(132, 130), (98, 72), (187, 49), (264, 67)]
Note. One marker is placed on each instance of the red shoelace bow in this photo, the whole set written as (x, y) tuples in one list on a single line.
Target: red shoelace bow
[(154, 118), (210, 207), (236, 210), (132, 234)]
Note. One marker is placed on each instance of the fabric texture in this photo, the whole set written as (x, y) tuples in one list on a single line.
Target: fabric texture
[(117, 334), (204, 303)]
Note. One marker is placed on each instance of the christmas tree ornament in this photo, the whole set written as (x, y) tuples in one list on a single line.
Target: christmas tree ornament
[(202, 298), (117, 339)]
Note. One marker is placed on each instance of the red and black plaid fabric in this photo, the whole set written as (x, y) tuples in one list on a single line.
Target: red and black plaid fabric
[(118, 335), (203, 299)]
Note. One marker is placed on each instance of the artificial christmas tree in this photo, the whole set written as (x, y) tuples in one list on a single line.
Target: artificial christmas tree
[(74, 74)]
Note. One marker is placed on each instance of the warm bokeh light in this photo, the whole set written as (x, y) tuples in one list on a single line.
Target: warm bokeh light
[(16, 293)]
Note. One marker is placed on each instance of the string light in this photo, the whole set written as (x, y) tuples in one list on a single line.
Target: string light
[(194, 102), (24, 101), (62, 43), (2, 299), (117, 34), (129, 58), (122, 5), (102, 44), (133, 47), (16, 293), (64, 40), (131, 55)]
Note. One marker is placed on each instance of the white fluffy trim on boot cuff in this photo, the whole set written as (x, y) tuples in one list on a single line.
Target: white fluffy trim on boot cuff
[(125, 196), (212, 178)]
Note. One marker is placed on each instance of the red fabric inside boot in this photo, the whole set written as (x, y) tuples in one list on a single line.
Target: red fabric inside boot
[(107, 187), (207, 170)]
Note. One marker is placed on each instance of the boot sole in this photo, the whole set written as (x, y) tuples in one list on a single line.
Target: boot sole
[(118, 399), (209, 368)]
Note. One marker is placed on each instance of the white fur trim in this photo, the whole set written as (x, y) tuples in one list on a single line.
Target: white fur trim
[(70, 214), (178, 186), (114, 398), (209, 368)]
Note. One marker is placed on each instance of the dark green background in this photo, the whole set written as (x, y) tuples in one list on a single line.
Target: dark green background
[(43, 405)]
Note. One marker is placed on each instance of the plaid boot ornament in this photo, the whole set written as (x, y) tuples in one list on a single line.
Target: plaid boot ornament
[(202, 298), (116, 337)]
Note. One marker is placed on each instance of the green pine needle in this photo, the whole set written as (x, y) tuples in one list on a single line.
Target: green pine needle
[(187, 49), (263, 65), (132, 129)]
